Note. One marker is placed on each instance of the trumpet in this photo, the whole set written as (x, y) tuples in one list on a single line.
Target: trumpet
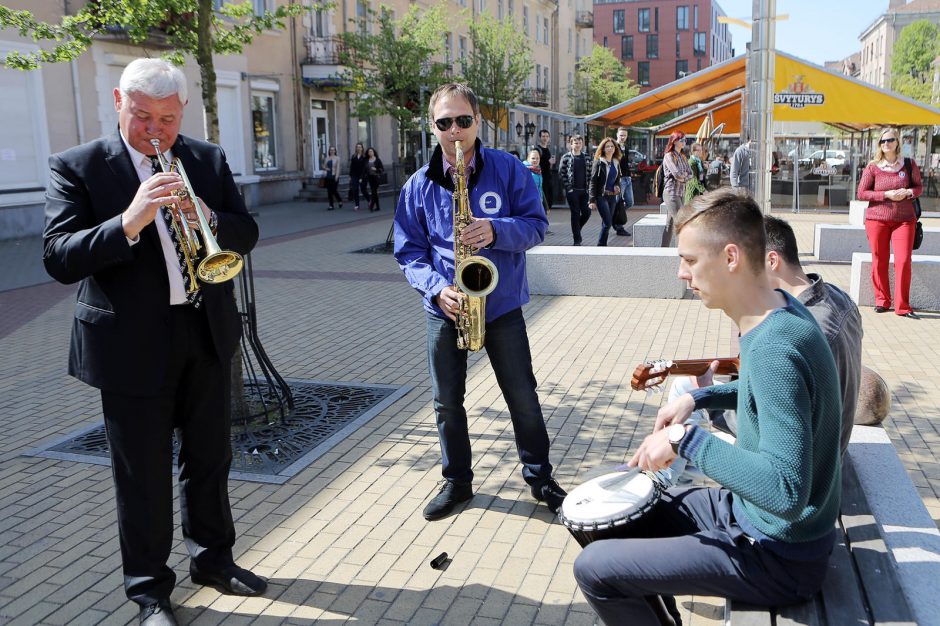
[(217, 265)]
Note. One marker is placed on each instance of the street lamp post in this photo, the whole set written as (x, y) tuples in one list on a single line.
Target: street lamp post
[(528, 130)]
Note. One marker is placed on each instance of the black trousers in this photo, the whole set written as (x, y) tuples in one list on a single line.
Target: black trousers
[(194, 401)]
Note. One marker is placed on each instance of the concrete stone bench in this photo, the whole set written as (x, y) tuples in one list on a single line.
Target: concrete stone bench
[(648, 230), (925, 281), (838, 242), (884, 565), (604, 271)]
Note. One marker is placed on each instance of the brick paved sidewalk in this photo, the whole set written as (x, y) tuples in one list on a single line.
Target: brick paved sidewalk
[(344, 539)]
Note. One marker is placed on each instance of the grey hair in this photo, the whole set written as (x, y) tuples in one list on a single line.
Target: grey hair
[(155, 78)]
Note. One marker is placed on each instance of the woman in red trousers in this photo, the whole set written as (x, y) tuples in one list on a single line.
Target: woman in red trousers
[(890, 221)]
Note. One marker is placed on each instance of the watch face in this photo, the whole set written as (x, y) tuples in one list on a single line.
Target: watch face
[(676, 432)]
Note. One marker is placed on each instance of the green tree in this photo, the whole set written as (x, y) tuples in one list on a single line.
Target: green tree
[(916, 47), (600, 81), (187, 27), (391, 71), (499, 62)]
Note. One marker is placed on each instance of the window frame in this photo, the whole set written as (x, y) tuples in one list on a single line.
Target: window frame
[(269, 92)]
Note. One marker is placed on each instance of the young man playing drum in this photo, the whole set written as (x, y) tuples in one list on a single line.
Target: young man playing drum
[(764, 536)]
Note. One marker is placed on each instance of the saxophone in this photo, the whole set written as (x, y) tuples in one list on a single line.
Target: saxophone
[(475, 277)]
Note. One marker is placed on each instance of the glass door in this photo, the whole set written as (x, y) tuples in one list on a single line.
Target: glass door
[(320, 137)]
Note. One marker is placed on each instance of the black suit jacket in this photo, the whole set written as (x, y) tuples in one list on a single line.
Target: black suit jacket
[(119, 341)]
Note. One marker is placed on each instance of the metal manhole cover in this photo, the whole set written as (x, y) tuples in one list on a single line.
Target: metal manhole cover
[(324, 414)]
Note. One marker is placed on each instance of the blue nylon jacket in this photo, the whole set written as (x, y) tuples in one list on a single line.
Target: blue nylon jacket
[(501, 189)]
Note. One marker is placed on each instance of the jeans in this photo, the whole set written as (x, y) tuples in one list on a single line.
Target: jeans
[(689, 543), (605, 208), (580, 212), (507, 347), (626, 191)]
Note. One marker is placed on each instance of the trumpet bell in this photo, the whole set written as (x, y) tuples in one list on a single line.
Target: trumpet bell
[(220, 267)]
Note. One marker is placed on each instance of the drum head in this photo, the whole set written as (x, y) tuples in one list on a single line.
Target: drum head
[(609, 500)]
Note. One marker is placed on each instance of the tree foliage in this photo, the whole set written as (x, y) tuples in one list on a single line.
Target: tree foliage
[(186, 27), (914, 51), (600, 81), (499, 62), (390, 72)]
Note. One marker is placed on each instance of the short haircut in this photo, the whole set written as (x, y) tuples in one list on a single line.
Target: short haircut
[(697, 145), (154, 78), (575, 138), (726, 217), (624, 129), (544, 130), (449, 90), (780, 239)]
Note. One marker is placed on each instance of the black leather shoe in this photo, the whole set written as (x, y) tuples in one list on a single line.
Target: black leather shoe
[(450, 495), (911, 315), (158, 614), (550, 493), (233, 580), (881, 309)]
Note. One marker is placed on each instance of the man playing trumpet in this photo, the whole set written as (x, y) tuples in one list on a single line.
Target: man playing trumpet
[(156, 343)]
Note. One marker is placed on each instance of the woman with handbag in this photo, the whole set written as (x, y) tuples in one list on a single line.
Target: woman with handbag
[(604, 185), (332, 178), (374, 171), (890, 184)]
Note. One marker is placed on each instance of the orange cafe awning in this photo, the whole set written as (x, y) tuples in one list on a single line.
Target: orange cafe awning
[(803, 92), (724, 110)]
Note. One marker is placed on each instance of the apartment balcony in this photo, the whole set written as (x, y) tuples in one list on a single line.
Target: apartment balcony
[(534, 97), (584, 19), (322, 68)]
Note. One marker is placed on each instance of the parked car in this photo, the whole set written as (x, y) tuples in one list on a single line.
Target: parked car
[(833, 158)]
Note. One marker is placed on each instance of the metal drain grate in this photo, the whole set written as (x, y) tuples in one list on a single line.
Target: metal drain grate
[(324, 414), (379, 248)]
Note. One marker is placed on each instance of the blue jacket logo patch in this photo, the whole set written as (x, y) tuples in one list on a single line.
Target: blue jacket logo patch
[(491, 203)]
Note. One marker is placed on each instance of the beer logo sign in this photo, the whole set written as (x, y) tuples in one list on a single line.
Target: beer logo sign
[(798, 95)]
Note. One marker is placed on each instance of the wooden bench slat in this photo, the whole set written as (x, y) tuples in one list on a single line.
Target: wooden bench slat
[(874, 565), (842, 600), (807, 613), (746, 615)]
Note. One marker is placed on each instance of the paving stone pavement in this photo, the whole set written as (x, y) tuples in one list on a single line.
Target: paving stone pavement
[(344, 539)]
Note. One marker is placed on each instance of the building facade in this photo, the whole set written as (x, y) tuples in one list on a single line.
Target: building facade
[(281, 104), (877, 41), (662, 40)]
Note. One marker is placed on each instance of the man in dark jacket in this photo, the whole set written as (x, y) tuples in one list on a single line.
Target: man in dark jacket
[(156, 342), (574, 172)]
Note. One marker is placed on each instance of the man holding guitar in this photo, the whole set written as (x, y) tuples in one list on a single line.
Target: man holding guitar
[(834, 310), (764, 536)]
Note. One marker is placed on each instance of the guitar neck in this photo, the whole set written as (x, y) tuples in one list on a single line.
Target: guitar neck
[(697, 367)]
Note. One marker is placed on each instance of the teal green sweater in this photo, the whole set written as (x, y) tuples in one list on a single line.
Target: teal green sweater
[(785, 468)]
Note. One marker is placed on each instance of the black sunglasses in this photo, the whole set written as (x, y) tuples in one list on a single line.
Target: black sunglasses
[(463, 121), (888, 140)]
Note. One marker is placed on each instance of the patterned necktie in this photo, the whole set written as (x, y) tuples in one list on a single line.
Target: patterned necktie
[(193, 297)]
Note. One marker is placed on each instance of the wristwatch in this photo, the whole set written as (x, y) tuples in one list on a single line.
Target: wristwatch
[(676, 432)]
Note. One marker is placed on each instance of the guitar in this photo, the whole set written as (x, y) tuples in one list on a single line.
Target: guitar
[(653, 373)]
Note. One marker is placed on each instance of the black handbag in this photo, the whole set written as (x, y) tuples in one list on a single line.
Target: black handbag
[(919, 228), (620, 213)]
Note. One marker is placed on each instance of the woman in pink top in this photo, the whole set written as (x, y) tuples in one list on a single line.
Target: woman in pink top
[(890, 220)]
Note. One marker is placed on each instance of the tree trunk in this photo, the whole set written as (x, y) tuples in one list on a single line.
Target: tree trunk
[(204, 59)]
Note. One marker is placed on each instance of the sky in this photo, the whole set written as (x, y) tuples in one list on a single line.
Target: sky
[(817, 30)]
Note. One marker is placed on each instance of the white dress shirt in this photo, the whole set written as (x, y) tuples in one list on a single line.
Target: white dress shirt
[(144, 169)]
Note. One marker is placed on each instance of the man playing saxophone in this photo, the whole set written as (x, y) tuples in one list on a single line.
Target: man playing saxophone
[(157, 342), (507, 219)]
